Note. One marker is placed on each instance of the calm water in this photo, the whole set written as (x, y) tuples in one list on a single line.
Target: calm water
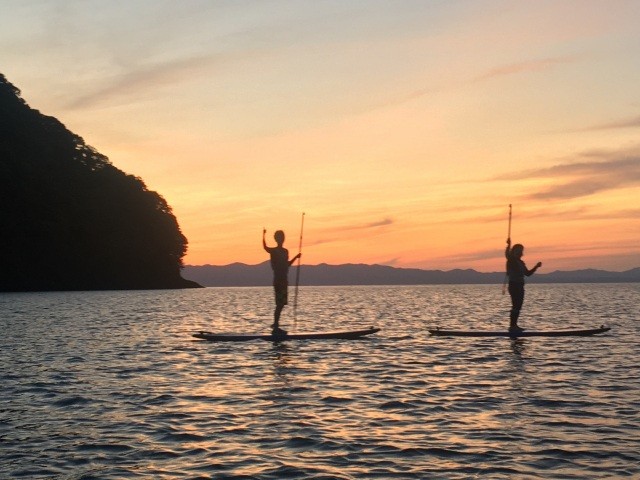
[(109, 385)]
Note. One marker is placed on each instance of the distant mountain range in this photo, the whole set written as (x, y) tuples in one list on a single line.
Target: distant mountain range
[(242, 275)]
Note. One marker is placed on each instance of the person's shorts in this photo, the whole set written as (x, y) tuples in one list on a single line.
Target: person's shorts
[(281, 290)]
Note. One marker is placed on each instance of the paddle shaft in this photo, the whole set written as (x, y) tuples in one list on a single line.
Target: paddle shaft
[(295, 295), (504, 284)]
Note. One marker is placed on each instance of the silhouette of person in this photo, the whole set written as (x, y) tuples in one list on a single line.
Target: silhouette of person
[(280, 264), (516, 271)]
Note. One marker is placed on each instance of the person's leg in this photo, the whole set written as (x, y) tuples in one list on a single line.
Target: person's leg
[(276, 315), (516, 291), (281, 292)]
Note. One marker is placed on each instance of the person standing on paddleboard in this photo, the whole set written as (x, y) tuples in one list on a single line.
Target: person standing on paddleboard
[(516, 271), (280, 264)]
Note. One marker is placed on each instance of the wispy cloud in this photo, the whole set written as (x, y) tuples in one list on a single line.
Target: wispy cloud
[(364, 226), (524, 67), (633, 122), (479, 255), (492, 73), (560, 213), (381, 223), (391, 262), (610, 170), (597, 250), (329, 235), (146, 78)]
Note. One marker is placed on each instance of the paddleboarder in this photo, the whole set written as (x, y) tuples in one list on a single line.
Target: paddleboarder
[(280, 264), (516, 271)]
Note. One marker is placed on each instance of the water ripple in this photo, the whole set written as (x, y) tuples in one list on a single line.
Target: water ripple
[(110, 385)]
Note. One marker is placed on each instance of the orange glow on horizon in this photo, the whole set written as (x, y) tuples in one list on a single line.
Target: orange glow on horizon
[(403, 133)]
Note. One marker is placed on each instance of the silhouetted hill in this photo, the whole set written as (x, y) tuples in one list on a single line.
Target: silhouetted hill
[(239, 274), (70, 219)]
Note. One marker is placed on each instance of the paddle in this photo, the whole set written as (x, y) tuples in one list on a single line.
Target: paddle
[(295, 295), (504, 284)]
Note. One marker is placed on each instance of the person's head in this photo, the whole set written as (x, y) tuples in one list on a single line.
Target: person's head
[(517, 250), (279, 237)]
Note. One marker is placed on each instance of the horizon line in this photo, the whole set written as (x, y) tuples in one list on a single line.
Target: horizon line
[(410, 268)]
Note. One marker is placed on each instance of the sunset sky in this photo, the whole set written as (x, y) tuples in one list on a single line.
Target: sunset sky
[(403, 129)]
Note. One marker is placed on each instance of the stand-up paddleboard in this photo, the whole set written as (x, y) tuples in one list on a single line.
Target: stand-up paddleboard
[(525, 333), (243, 337)]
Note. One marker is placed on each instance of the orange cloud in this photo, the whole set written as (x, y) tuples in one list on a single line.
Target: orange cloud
[(612, 170), (633, 122), (136, 81), (523, 67)]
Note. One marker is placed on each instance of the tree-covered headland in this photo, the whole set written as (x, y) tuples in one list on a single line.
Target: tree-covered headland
[(69, 219)]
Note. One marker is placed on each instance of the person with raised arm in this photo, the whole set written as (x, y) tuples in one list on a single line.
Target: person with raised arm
[(280, 264), (516, 271)]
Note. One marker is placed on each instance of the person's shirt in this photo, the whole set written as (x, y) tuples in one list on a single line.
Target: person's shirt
[(279, 263), (516, 270)]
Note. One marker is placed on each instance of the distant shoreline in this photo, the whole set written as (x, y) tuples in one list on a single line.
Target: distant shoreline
[(243, 275)]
